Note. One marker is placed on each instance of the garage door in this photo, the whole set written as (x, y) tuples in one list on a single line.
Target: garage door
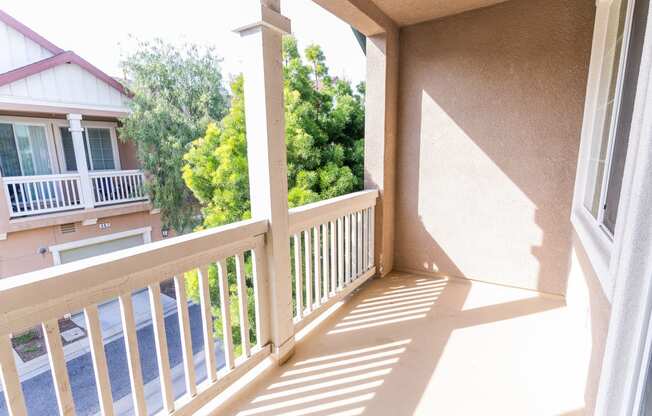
[(66, 256)]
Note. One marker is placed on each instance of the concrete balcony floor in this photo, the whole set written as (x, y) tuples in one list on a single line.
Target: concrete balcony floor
[(409, 344)]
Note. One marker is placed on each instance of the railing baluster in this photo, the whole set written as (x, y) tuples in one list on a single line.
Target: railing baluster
[(184, 329), (225, 309), (66, 193), (23, 198), (207, 323), (54, 201), (307, 251), (298, 275), (26, 196), (133, 356), (58, 367), (43, 198), (365, 240), (333, 258), (354, 246), (316, 264), (161, 344), (261, 294), (358, 216), (340, 253), (9, 378), (347, 248), (372, 236), (242, 304), (101, 371), (325, 260)]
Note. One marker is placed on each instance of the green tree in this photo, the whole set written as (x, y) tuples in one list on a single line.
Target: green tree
[(177, 92), (324, 130)]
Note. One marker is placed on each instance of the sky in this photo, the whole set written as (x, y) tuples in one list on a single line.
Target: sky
[(99, 31)]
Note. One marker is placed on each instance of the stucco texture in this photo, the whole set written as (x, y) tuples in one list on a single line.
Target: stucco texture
[(19, 253), (490, 112)]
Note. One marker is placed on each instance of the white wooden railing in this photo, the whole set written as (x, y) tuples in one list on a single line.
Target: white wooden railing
[(333, 248), (30, 195), (113, 187), (332, 244), (43, 194), (43, 297)]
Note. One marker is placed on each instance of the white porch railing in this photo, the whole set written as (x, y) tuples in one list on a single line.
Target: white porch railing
[(30, 195), (342, 256), (113, 187), (44, 194), (333, 251)]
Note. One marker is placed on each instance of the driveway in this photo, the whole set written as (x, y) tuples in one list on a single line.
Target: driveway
[(39, 391)]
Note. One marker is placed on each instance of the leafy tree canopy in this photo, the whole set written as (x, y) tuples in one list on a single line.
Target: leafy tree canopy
[(178, 92), (324, 129)]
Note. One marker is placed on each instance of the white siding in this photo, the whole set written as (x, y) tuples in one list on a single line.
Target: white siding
[(66, 84), (16, 50)]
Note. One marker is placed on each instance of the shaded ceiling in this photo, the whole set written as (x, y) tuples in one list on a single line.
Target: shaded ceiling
[(409, 12)]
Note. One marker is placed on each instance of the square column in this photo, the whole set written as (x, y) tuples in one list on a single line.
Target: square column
[(267, 159), (380, 139), (76, 131)]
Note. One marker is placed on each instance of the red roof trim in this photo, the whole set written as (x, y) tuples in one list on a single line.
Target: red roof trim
[(10, 21), (68, 57)]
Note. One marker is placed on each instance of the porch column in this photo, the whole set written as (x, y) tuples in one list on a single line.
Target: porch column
[(5, 211), (80, 157), (264, 112), (380, 139)]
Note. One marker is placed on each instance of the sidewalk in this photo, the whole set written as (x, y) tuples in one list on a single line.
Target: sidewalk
[(39, 391), (111, 323)]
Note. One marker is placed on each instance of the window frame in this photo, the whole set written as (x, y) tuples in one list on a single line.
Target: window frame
[(111, 126), (597, 240), (49, 140)]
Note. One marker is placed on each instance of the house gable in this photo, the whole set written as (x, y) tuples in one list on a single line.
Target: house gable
[(20, 45)]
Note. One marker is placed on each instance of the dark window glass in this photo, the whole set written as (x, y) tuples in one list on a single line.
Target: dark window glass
[(623, 126), (9, 162)]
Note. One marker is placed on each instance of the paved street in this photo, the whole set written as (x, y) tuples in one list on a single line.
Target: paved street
[(39, 391)]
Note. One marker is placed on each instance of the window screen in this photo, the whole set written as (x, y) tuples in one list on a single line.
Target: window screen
[(69, 150), (9, 162), (101, 148)]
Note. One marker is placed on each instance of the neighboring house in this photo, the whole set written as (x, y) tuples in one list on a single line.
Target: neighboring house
[(70, 188)]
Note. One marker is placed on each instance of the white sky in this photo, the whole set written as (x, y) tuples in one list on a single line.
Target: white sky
[(99, 31)]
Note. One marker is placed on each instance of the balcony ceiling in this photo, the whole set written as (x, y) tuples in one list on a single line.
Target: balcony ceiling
[(409, 12)]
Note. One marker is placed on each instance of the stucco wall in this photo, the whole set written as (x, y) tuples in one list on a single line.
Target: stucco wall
[(19, 252), (490, 111), (591, 309), (128, 155)]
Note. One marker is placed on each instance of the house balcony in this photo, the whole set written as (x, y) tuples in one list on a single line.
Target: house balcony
[(400, 344), (46, 194)]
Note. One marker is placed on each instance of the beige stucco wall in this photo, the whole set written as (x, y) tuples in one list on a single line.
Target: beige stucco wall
[(128, 155), (490, 111), (591, 310), (19, 253)]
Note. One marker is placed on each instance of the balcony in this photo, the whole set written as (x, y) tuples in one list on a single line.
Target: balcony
[(402, 344), (44, 194)]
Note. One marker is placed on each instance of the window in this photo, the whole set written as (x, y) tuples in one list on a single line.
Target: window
[(100, 148), (24, 150), (613, 112), (99, 145)]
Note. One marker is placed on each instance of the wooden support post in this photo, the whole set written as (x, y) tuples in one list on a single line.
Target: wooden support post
[(264, 111), (76, 131)]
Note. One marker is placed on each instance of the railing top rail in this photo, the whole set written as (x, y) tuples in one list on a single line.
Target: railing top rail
[(102, 277), (319, 212), (115, 172), (34, 178)]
